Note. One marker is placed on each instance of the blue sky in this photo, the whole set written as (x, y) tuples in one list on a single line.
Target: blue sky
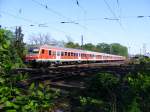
[(129, 30)]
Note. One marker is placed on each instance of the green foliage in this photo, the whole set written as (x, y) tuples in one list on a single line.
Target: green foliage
[(144, 60), (18, 43), (134, 107), (140, 84), (103, 47), (102, 84), (8, 55), (108, 93), (13, 98), (37, 99), (72, 45), (101, 94), (119, 49), (5, 60), (90, 47), (90, 104)]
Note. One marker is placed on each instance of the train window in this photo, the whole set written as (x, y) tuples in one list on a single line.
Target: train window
[(68, 53), (82, 55), (42, 51), (76, 54), (65, 53), (71, 54), (53, 53), (62, 53), (58, 53), (33, 50), (50, 52)]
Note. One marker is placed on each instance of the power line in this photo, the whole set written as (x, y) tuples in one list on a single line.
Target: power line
[(84, 15), (57, 13), (18, 17), (119, 10), (77, 2), (113, 13), (118, 3), (112, 18), (33, 23), (51, 10), (79, 5)]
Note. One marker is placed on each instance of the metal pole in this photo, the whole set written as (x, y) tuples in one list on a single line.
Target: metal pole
[(81, 41)]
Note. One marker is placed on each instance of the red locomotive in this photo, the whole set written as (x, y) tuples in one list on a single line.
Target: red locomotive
[(51, 54)]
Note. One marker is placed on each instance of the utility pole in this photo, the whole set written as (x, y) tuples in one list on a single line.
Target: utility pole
[(144, 48), (129, 51), (110, 49), (81, 41), (140, 52)]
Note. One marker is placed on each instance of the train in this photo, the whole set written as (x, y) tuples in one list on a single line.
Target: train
[(59, 55)]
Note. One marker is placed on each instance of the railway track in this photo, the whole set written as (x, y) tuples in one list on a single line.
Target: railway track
[(71, 73)]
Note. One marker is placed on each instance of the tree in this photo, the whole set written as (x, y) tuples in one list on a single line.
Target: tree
[(18, 43), (72, 45), (119, 49), (41, 39), (103, 47), (90, 47), (13, 98)]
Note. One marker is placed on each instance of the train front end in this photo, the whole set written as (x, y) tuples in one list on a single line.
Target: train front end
[(33, 55)]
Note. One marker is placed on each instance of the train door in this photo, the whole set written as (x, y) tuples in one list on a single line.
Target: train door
[(94, 56), (58, 53), (79, 56)]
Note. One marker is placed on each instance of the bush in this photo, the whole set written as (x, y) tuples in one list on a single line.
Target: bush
[(36, 98)]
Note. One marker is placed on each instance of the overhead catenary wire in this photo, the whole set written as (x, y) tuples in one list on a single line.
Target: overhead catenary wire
[(113, 13), (84, 16), (77, 2), (51, 10), (80, 6), (58, 13), (119, 8), (119, 11), (32, 23), (112, 18), (118, 4), (18, 17)]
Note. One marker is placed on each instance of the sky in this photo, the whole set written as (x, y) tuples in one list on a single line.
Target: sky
[(111, 21)]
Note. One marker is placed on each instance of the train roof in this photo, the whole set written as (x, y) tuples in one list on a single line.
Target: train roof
[(71, 49)]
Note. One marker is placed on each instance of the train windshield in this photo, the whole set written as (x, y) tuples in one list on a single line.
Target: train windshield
[(33, 51)]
